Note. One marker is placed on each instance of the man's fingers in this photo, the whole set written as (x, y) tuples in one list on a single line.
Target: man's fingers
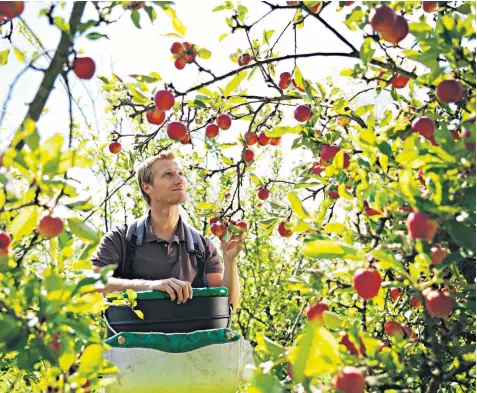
[(177, 288), (185, 291), (170, 291)]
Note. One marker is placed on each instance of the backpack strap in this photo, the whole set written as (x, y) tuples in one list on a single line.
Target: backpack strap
[(195, 245), (134, 238)]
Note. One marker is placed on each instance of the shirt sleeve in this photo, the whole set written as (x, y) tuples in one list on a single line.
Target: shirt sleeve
[(213, 263), (110, 250)]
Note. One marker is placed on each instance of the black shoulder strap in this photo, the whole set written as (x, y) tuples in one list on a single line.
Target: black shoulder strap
[(195, 245), (134, 238)]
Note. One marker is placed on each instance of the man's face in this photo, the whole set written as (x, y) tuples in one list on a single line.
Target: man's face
[(168, 183)]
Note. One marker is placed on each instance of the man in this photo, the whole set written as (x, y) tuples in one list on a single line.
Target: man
[(163, 262)]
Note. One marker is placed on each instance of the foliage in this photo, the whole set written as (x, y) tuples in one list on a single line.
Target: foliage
[(351, 213)]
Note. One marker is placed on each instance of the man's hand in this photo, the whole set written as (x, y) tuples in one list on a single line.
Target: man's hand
[(232, 248), (182, 290)]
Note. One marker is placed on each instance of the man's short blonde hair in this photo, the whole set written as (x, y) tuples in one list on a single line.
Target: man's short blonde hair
[(144, 171)]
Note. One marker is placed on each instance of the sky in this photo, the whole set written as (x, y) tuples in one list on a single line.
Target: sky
[(141, 51)]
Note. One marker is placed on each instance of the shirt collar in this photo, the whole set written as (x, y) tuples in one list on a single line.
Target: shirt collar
[(149, 235)]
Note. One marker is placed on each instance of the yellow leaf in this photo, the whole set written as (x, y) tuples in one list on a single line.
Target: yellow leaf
[(296, 205), (131, 294), (343, 192), (91, 359), (205, 206), (233, 84), (328, 249), (139, 313), (25, 222), (334, 228)]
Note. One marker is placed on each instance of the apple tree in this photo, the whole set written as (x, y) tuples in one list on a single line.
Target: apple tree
[(359, 267)]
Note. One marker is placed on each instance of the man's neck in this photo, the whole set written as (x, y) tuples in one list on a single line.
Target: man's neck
[(164, 220)]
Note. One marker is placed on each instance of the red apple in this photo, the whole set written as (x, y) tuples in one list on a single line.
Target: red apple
[(396, 293), (249, 155), (11, 9), (177, 48), (242, 225), (275, 141), (211, 131), (180, 62), (328, 152), (115, 147), (393, 328), (185, 140), (316, 8), (176, 130), (424, 126), (251, 137), (351, 347), (224, 121), (283, 231), (383, 17), (429, 6), (315, 312), (349, 380), (302, 113), (283, 84), (439, 303), (316, 168), (346, 160), (213, 220), (334, 195), (244, 59), (217, 228), (421, 227), (5, 240), (349, 2), (449, 91), (367, 282), (50, 227), (399, 81), (263, 193), (155, 116), (414, 301), (84, 67), (263, 140), (164, 100), (397, 32), (344, 121), (438, 254)]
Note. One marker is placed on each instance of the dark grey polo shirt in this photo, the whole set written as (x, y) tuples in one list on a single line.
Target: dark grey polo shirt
[(157, 259)]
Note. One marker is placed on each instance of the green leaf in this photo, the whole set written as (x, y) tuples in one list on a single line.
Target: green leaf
[(4, 57), (96, 36), (332, 320), (233, 84), (79, 228), (24, 223), (366, 53), (147, 78), (91, 359), (420, 27), (328, 249), (222, 36), (296, 205), (299, 78), (463, 235), (151, 12), (136, 18), (62, 24), (204, 53), (79, 203), (269, 346)]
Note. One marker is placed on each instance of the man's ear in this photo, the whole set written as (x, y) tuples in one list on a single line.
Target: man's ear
[(146, 187)]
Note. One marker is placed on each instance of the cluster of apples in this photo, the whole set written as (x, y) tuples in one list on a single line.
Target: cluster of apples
[(392, 28), (218, 227), (286, 79), (184, 54), (222, 122)]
